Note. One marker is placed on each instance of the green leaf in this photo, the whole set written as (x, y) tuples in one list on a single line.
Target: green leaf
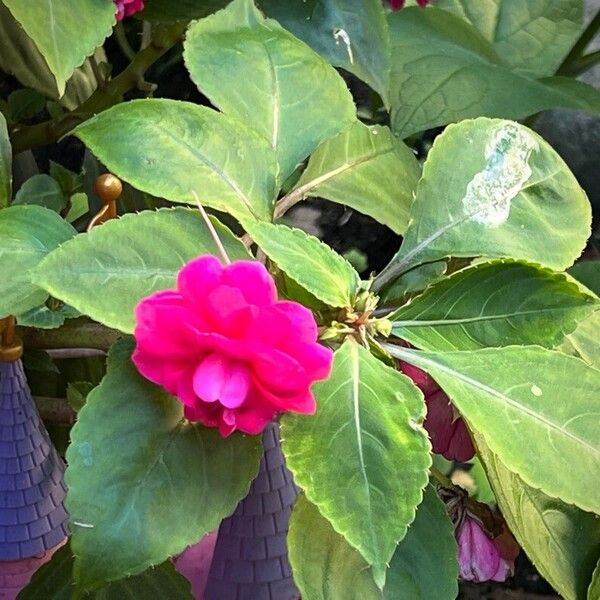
[(594, 591), (28, 233), (532, 38), (39, 360), (366, 168), (527, 395), (43, 317), (424, 565), (80, 205), (55, 580), (326, 567), (182, 10), (496, 303), (364, 50), (503, 193), (51, 25), (294, 98), (77, 393), (588, 273), (106, 272), (561, 540), (5, 164), (41, 190), (363, 458), (483, 490), (308, 261), (444, 70), (584, 342), (147, 483), (25, 104), (171, 149)]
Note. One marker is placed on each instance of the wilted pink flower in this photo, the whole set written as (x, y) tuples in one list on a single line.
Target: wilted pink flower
[(126, 8), (227, 348), (481, 558), (447, 431), (398, 4)]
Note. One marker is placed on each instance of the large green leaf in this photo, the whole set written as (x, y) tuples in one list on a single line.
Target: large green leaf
[(594, 591), (41, 190), (172, 149), (21, 57), (326, 567), (352, 34), (55, 580), (106, 272), (367, 168), (363, 458), (5, 164), (537, 409), (504, 192), (294, 98), (309, 262), (444, 70), (561, 540), (28, 233), (51, 24), (497, 303), (531, 37), (147, 483), (425, 563)]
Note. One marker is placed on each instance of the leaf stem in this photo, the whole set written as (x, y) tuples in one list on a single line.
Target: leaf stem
[(33, 136), (579, 48), (212, 230)]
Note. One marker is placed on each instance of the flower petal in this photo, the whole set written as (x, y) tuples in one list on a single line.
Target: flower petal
[(253, 280), (236, 386), (209, 377), (199, 277)]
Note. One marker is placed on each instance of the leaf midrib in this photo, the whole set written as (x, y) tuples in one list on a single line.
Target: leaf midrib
[(463, 320), (506, 400)]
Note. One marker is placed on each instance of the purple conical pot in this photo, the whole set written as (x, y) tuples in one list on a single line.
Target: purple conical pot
[(250, 560)]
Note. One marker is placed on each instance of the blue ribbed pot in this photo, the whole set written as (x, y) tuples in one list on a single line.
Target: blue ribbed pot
[(33, 518), (250, 560)]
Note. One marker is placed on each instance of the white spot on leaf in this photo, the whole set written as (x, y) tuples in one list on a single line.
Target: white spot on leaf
[(491, 191), (536, 391), (342, 34)]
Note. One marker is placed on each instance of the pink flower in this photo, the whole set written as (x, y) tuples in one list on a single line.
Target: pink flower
[(481, 558), (227, 348), (398, 4), (447, 431), (126, 8)]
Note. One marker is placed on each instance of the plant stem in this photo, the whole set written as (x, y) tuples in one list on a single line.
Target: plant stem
[(579, 48), (441, 478), (75, 333), (585, 63), (123, 42), (34, 136)]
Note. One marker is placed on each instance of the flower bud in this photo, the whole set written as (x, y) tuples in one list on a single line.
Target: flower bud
[(480, 558)]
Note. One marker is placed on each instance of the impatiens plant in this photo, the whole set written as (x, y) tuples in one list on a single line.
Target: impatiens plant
[(475, 342)]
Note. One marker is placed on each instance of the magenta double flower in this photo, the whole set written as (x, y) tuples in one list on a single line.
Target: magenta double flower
[(227, 348), (126, 8)]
